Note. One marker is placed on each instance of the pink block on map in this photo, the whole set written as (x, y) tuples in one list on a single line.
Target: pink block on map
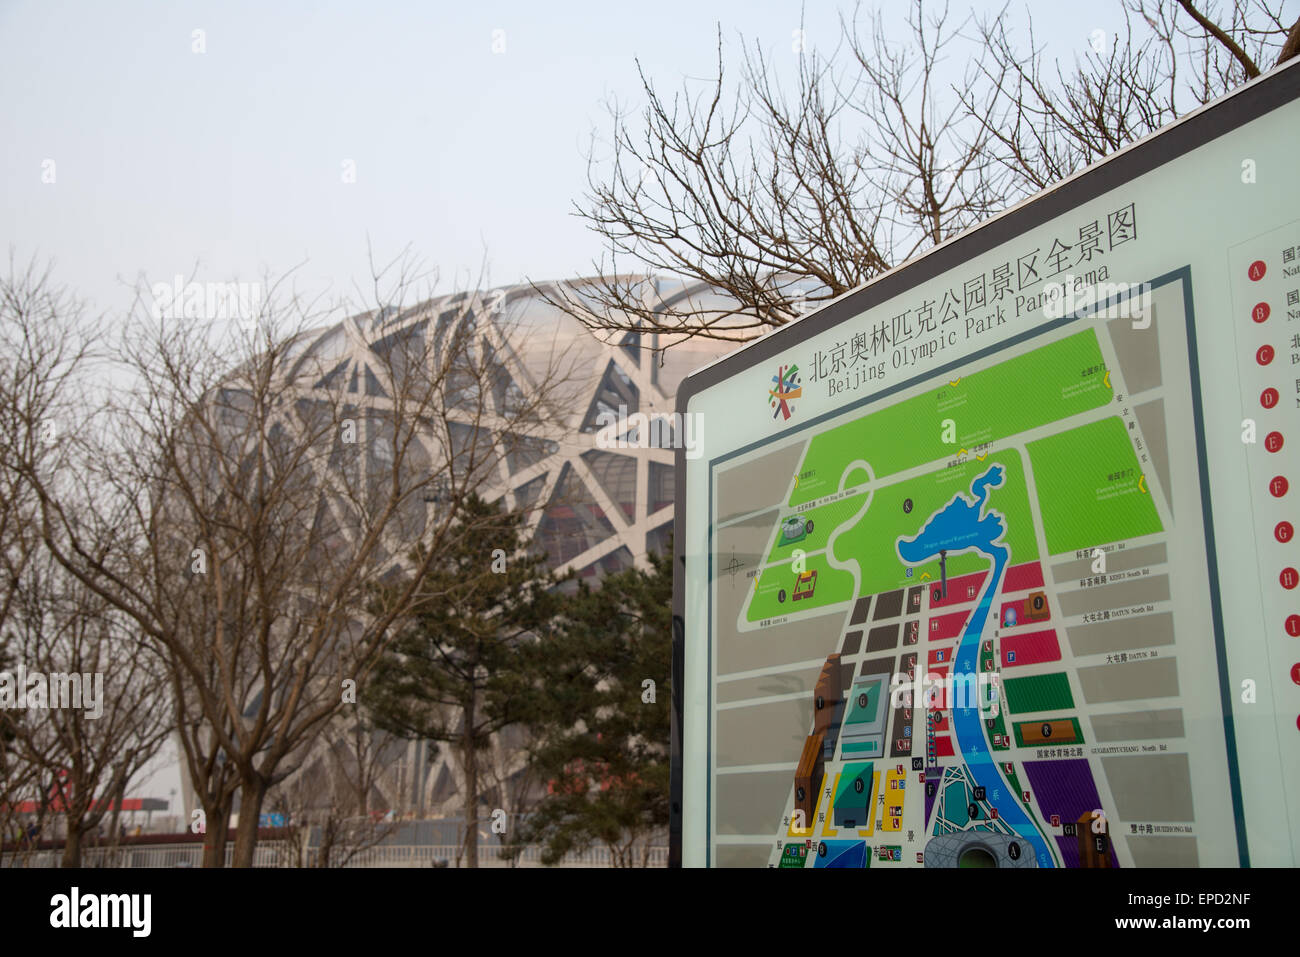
[(1022, 577), (946, 626), (962, 589), (1030, 649), (941, 656)]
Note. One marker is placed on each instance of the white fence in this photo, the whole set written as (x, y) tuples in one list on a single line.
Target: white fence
[(531, 856), (275, 854), (268, 854)]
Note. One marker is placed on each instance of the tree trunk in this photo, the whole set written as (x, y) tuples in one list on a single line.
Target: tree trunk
[(327, 835), (115, 824), (1292, 45), (217, 820), (117, 795), (72, 847), (471, 786), (251, 793)]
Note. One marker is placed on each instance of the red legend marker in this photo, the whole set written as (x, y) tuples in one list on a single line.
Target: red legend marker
[(1295, 673), (1257, 270), (1260, 312), (1273, 441), (1283, 532), (1269, 398), (1264, 355), (1278, 486), (1289, 578), (1293, 625)]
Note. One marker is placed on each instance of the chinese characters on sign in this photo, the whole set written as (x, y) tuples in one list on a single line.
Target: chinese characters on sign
[(982, 302)]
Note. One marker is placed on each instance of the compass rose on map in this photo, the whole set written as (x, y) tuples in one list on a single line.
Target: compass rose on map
[(734, 566)]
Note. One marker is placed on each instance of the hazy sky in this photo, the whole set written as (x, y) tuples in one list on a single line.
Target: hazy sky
[(232, 159)]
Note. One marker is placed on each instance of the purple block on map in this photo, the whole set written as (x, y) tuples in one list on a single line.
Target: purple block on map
[(1064, 787)]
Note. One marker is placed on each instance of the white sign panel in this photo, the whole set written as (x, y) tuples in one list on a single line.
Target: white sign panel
[(993, 561)]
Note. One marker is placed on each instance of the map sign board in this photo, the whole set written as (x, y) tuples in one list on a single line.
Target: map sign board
[(992, 561)]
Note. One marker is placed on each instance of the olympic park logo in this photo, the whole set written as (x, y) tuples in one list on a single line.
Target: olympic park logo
[(785, 389)]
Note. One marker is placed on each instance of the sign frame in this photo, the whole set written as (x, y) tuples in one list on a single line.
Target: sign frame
[(1249, 102)]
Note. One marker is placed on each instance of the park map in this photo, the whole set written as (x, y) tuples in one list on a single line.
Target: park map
[(947, 626)]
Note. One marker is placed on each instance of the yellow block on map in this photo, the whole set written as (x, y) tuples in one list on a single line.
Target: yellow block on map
[(829, 829), (809, 827), (893, 792)]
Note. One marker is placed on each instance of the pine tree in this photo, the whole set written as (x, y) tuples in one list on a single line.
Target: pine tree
[(454, 668), (601, 718)]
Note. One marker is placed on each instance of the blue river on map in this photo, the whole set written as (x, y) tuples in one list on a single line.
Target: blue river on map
[(956, 528)]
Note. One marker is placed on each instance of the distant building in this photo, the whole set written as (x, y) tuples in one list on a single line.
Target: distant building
[(592, 508)]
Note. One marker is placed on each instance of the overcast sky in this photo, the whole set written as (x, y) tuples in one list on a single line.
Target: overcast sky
[(231, 159)]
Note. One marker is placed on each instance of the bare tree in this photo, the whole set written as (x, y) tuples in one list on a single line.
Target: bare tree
[(333, 811), (1045, 122), (27, 807), (45, 344), (45, 338), (96, 698), (774, 197), (20, 784), (258, 500)]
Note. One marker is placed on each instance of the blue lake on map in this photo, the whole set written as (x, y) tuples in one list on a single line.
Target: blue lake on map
[(962, 525)]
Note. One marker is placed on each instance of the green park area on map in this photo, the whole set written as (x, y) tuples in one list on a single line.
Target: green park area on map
[(1019, 394), (1087, 478), (871, 542), (825, 518), (1088, 487)]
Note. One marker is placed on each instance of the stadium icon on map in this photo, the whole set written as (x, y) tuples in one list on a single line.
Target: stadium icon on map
[(795, 529)]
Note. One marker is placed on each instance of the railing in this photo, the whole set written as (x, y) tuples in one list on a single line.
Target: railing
[(267, 854), (427, 855), (276, 854)]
